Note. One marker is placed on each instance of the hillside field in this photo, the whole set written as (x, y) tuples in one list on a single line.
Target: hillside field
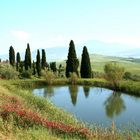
[(98, 61)]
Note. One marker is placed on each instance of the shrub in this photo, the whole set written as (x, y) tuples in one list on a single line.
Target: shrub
[(114, 73), (26, 73), (49, 76), (96, 74), (130, 76), (73, 78), (8, 72), (127, 75)]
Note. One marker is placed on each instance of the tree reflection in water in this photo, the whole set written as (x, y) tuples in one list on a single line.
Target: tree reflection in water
[(86, 90), (73, 90), (114, 105), (48, 92)]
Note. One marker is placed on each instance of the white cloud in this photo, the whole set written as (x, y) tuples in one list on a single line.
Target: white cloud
[(21, 35)]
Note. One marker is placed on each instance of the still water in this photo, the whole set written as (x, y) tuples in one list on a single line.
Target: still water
[(94, 105)]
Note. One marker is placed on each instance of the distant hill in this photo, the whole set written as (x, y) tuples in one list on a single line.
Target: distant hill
[(94, 47)]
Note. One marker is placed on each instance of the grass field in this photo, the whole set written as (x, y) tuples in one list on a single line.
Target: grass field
[(98, 61), (25, 116)]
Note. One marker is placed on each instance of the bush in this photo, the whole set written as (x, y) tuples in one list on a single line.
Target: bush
[(8, 72), (26, 73), (114, 73), (49, 76), (73, 78), (96, 74), (130, 76), (127, 75)]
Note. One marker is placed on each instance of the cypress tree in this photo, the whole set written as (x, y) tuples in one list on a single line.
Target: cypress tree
[(18, 59), (72, 62), (34, 68), (85, 64), (12, 56), (38, 64), (28, 57), (43, 62)]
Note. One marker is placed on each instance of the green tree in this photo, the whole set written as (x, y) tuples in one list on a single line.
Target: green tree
[(21, 66), (38, 63), (28, 58), (85, 69), (18, 59), (12, 56), (34, 68), (43, 62), (72, 62), (114, 73), (53, 66)]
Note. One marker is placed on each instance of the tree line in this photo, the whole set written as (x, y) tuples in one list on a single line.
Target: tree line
[(113, 72), (72, 62)]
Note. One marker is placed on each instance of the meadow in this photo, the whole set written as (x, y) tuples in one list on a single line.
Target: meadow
[(26, 116), (131, 65)]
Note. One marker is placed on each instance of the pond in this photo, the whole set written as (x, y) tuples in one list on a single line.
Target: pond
[(94, 105)]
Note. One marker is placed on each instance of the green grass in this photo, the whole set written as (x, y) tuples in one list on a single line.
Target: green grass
[(98, 62), (21, 90)]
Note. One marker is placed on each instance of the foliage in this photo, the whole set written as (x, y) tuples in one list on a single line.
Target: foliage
[(8, 72), (127, 75), (53, 66), (38, 63), (12, 56), (43, 60), (28, 57), (113, 73), (18, 59), (85, 69), (21, 66), (130, 76), (26, 73), (72, 62), (73, 78), (34, 68), (61, 71), (96, 74), (49, 76)]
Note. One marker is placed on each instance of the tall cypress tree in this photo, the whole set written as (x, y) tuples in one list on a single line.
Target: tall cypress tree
[(43, 62), (34, 68), (85, 64), (28, 57), (12, 56), (18, 59), (72, 62), (38, 64)]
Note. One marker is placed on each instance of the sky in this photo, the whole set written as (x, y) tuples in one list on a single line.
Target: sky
[(51, 23)]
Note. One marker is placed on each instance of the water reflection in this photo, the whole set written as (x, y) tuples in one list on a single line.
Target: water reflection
[(114, 105), (73, 90), (48, 92), (86, 90)]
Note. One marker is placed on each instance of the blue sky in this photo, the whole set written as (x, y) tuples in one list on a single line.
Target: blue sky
[(50, 23)]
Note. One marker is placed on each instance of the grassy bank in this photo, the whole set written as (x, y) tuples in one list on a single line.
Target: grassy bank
[(126, 86), (25, 116)]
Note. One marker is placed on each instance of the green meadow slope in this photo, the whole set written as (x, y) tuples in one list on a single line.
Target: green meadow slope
[(98, 61)]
